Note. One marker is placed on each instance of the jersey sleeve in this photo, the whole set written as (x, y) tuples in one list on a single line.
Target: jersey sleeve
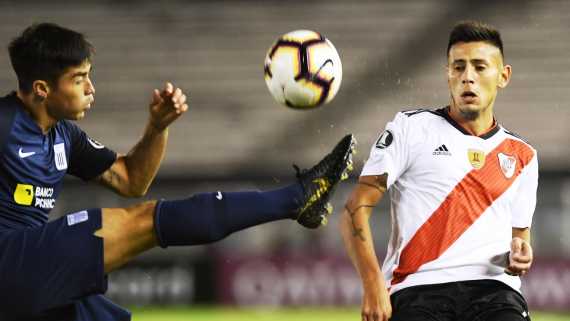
[(525, 200), (389, 155), (89, 158)]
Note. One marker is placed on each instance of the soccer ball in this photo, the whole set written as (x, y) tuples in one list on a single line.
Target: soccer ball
[(303, 69)]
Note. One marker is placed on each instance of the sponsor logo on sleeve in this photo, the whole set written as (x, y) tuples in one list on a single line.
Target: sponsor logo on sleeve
[(76, 218)]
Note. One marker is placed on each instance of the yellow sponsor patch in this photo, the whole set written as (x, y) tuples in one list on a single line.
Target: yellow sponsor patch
[(24, 194)]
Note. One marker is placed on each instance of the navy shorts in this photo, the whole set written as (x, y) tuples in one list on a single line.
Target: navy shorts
[(55, 271), (478, 300)]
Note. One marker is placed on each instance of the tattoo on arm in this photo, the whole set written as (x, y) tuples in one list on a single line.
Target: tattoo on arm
[(357, 231)]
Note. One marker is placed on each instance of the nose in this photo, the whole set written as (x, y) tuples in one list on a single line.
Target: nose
[(468, 76), (90, 89)]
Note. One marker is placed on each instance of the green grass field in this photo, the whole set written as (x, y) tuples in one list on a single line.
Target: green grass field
[(302, 314)]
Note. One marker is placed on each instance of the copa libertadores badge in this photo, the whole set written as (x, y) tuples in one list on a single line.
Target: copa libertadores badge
[(385, 139)]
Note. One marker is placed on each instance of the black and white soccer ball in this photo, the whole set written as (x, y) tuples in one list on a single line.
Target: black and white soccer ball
[(303, 70)]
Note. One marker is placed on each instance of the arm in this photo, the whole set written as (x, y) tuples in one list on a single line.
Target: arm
[(131, 174), (355, 230), (520, 257)]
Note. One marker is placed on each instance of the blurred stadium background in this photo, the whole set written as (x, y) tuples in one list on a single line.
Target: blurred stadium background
[(236, 137)]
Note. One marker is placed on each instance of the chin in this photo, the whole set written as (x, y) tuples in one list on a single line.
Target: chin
[(469, 113), (79, 116)]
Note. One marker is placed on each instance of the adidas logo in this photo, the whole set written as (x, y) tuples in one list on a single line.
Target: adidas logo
[(442, 150)]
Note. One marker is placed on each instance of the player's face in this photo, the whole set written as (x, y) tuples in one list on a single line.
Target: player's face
[(475, 72), (73, 95)]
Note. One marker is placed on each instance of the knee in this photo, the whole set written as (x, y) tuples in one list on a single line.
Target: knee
[(146, 208), (123, 226), (121, 221)]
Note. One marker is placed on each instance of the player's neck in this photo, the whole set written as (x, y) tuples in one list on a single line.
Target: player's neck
[(37, 110), (481, 125)]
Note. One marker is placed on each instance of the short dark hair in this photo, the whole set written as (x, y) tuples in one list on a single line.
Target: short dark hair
[(44, 51), (471, 31)]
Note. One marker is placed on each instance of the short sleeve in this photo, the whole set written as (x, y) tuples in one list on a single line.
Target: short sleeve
[(524, 203), (389, 154), (89, 158)]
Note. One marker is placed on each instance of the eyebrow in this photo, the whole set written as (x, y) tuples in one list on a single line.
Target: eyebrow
[(82, 73), (474, 61)]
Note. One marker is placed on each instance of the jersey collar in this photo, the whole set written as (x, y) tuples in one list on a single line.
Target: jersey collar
[(444, 112), (29, 121)]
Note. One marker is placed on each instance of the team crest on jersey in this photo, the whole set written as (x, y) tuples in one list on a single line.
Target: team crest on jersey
[(59, 155), (508, 164), (385, 139), (476, 158)]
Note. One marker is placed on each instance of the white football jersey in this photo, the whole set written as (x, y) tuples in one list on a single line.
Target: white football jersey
[(454, 198)]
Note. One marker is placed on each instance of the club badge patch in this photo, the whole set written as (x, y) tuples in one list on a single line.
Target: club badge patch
[(59, 156), (385, 139), (508, 164), (476, 158)]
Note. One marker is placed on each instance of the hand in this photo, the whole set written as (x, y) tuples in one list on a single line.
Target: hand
[(376, 304), (520, 257), (166, 106)]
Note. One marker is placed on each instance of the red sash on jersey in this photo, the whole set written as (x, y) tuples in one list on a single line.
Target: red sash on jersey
[(466, 203)]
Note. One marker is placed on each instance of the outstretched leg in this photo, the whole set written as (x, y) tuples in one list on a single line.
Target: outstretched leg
[(209, 217)]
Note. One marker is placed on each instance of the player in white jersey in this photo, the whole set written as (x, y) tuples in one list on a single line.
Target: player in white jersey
[(462, 191)]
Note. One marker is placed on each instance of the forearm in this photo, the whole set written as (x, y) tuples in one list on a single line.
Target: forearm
[(355, 231), (520, 256), (358, 241), (355, 228), (131, 174), (143, 160), (523, 233)]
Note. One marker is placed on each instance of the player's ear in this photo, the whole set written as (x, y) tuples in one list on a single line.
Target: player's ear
[(505, 76), (446, 70), (40, 89)]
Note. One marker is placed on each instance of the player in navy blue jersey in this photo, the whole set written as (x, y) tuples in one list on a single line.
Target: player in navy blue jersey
[(57, 270)]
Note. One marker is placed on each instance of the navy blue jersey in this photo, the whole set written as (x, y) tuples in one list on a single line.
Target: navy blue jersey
[(33, 164)]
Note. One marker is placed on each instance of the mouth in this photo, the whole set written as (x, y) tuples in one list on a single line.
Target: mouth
[(469, 96)]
